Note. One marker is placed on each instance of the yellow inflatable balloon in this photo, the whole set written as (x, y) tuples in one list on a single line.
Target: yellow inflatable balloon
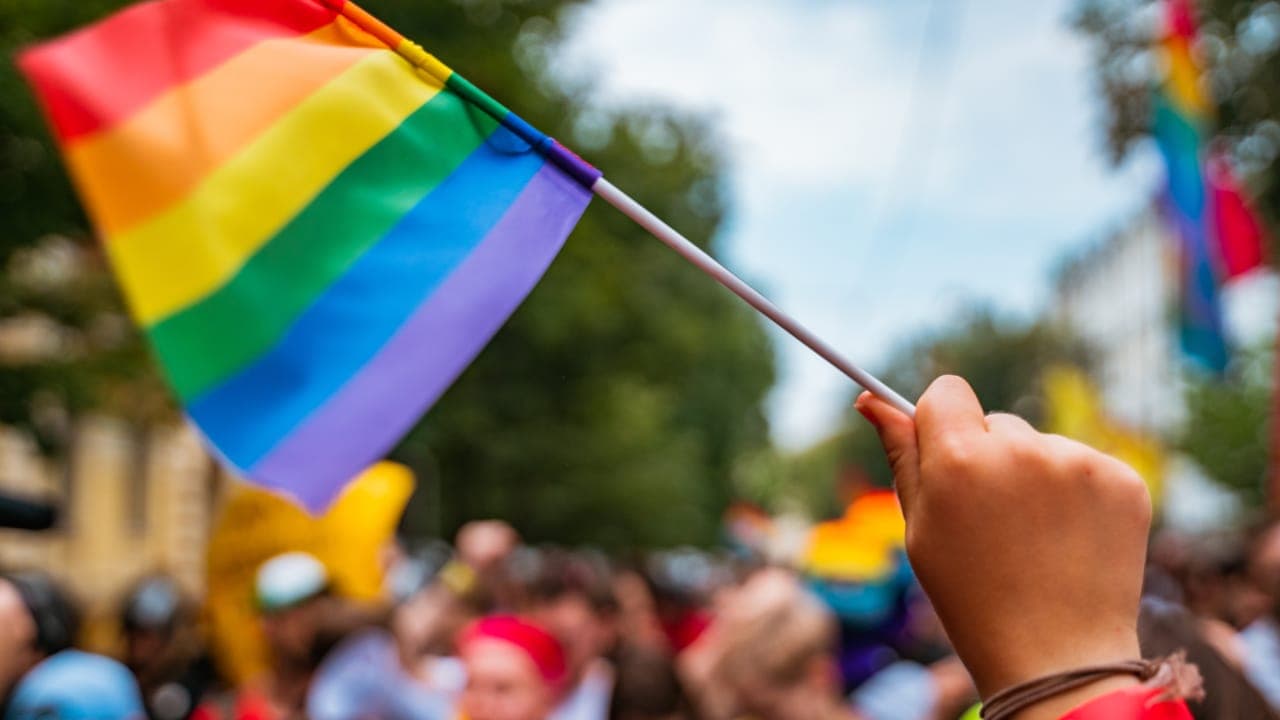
[(254, 525)]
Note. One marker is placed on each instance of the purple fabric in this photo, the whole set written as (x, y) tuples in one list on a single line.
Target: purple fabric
[(581, 170), (379, 404)]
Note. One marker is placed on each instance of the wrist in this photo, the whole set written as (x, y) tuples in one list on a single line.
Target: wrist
[(1040, 661), (1056, 707), (1109, 690)]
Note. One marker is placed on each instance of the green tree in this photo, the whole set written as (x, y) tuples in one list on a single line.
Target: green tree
[(1002, 358), (1228, 427), (615, 404), (66, 344)]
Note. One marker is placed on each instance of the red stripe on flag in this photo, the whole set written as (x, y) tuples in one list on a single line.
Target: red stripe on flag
[(1241, 238), (95, 77)]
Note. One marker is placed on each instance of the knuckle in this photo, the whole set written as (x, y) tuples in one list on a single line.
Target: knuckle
[(954, 456), (1130, 489), (1080, 463), (1033, 456), (1005, 422)]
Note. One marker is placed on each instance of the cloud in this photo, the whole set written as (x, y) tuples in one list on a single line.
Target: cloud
[(882, 172), (806, 92)]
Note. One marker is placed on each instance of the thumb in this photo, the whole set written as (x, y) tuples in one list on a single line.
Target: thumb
[(898, 437)]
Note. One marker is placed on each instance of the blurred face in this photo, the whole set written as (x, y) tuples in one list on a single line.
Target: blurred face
[(503, 683), (583, 633), (17, 638), (425, 623), (1265, 567), (145, 647), (808, 696), (484, 544), (291, 633)]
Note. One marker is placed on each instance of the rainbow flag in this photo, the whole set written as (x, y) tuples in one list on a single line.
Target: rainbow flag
[(316, 224), (1219, 236)]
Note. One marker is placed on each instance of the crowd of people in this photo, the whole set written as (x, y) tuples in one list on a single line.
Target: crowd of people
[(489, 628)]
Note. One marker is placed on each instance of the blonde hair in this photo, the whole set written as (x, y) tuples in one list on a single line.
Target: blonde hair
[(774, 631)]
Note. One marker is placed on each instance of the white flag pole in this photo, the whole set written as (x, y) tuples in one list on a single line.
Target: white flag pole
[(428, 63), (606, 191)]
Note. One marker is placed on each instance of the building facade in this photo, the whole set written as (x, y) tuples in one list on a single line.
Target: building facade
[(131, 503)]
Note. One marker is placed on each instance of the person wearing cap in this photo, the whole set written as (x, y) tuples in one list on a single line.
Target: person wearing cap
[(515, 670), (288, 591), (40, 675), (161, 651)]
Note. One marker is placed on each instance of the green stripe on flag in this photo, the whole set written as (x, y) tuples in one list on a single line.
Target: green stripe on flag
[(211, 340)]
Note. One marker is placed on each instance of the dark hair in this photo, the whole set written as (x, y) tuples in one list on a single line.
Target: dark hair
[(1165, 628), (647, 687), (56, 618), (563, 574), (155, 603)]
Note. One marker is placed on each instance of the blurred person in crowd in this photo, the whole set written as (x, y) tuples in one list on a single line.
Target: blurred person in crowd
[(290, 590), (490, 548), (515, 670), (647, 687), (638, 624), (774, 655), (41, 676), (573, 599), (681, 585), (1261, 639), (769, 653), (402, 671), (161, 650), (1166, 627), (1209, 575), (485, 544)]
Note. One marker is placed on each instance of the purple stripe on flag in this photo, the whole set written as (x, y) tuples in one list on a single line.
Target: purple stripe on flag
[(373, 410)]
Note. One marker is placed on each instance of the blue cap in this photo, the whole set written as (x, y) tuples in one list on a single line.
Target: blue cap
[(74, 685)]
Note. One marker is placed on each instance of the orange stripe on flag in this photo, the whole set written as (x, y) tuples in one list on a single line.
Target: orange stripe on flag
[(193, 129)]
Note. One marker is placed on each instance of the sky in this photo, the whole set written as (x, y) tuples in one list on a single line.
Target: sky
[(890, 161)]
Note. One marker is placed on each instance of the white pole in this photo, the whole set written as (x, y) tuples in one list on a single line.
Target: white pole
[(707, 264)]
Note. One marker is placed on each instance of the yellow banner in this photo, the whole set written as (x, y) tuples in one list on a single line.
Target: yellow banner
[(1075, 410)]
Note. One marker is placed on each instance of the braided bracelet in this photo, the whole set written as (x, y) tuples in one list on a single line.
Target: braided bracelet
[(1180, 679)]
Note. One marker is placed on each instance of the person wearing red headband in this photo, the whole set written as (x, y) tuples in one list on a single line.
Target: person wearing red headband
[(515, 670)]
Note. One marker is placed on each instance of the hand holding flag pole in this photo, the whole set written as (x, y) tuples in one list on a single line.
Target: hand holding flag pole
[(608, 192)]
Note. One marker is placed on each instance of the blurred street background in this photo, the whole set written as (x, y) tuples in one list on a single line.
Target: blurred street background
[(933, 186)]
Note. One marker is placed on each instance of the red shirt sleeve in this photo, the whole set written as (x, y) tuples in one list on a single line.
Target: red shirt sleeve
[(1133, 703)]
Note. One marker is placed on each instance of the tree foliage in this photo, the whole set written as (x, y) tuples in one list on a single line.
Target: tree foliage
[(1002, 358), (613, 406), (1228, 431)]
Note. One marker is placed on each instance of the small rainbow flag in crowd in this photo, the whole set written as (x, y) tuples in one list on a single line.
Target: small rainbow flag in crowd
[(859, 546), (1219, 236), (857, 563), (317, 224)]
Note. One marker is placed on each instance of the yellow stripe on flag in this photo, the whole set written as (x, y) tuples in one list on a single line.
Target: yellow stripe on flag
[(1184, 81), (190, 250)]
